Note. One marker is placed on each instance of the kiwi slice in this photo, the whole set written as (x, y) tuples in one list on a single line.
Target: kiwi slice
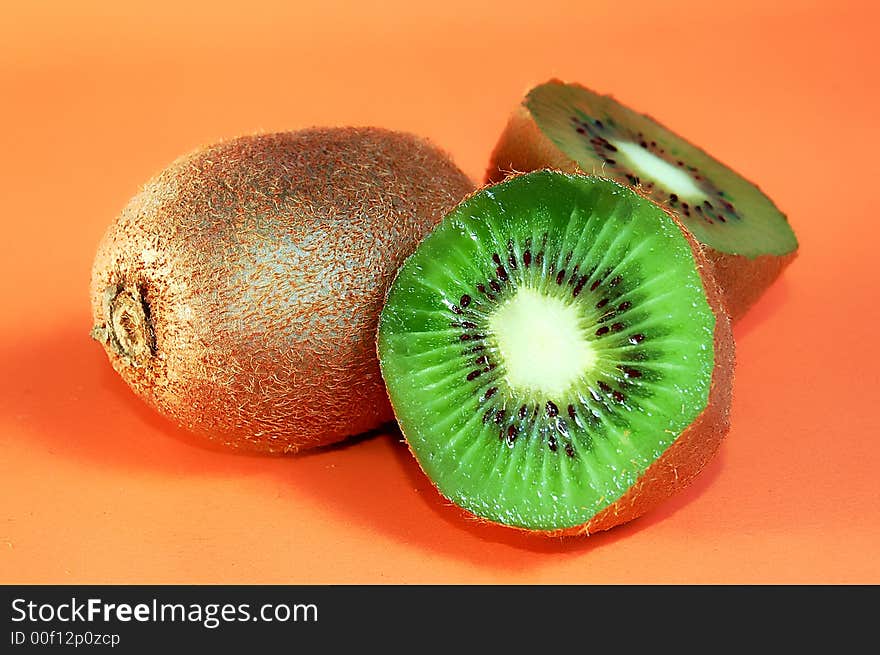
[(570, 127), (556, 354)]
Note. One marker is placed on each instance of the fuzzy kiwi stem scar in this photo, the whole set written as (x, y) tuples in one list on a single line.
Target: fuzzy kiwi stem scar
[(128, 327)]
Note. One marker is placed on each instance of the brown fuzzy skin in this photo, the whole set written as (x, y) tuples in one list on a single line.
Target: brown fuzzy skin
[(745, 279), (238, 292), (523, 147)]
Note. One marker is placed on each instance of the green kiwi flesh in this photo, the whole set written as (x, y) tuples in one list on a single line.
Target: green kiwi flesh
[(545, 345), (719, 207)]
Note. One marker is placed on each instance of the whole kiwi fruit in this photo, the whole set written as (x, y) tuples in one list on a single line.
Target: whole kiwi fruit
[(238, 292)]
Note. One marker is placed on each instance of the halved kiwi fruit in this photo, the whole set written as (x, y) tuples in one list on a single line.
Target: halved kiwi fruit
[(569, 127), (557, 355)]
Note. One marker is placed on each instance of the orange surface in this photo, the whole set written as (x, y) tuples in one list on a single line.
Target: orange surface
[(98, 96)]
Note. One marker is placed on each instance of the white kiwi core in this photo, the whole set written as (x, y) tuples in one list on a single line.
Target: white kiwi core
[(655, 168), (544, 348)]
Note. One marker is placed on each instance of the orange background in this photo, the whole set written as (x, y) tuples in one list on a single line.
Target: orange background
[(97, 96)]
